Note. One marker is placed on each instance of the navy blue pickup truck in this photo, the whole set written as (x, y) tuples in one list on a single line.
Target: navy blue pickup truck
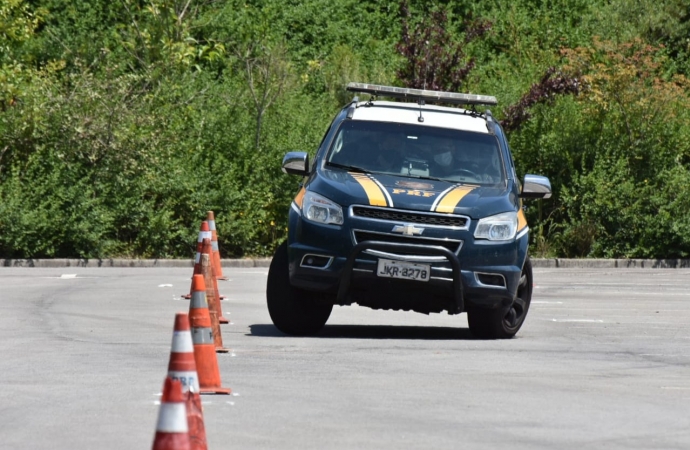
[(407, 206)]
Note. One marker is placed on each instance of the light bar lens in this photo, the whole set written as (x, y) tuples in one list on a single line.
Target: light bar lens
[(419, 94)]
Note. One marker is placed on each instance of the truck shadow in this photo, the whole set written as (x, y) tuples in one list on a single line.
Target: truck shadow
[(372, 332)]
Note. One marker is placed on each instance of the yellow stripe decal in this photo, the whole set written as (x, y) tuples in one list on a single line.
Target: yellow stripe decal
[(522, 220), (300, 197), (373, 191), (449, 201)]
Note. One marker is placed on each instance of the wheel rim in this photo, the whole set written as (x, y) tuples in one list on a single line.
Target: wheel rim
[(516, 312)]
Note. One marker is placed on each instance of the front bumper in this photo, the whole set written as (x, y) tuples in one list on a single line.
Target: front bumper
[(457, 303), (349, 271)]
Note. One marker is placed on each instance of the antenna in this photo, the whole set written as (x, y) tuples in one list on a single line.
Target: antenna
[(426, 62)]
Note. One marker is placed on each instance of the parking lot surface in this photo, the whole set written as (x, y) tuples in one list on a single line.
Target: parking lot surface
[(602, 361)]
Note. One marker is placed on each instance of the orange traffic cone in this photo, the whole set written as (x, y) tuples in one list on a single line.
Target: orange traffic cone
[(204, 233), (182, 367), (215, 257), (211, 284), (172, 432), (195, 421), (203, 340), (212, 300)]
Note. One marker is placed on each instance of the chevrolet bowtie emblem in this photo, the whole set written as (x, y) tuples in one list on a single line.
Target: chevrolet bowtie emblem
[(408, 230)]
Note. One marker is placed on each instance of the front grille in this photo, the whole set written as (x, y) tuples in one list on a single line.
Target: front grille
[(361, 236), (395, 215)]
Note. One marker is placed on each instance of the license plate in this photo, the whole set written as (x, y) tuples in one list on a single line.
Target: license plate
[(405, 270)]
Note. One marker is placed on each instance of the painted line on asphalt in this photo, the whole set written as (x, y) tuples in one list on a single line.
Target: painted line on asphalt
[(650, 323), (69, 276), (578, 285), (650, 311), (615, 322), (586, 303), (578, 320)]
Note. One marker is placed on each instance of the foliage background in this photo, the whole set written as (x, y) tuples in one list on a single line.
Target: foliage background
[(122, 122)]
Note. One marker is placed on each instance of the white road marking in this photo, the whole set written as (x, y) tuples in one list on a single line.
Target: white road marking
[(649, 310), (651, 323), (67, 277), (578, 320), (165, 285)]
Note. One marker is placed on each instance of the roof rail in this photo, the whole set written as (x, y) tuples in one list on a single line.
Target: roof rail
[(351, 107), (420, 95), (490, 122)]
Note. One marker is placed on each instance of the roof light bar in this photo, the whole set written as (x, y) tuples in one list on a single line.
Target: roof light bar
[(419, 94)]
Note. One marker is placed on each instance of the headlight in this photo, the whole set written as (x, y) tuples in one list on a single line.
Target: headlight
[(319, 209), (501, 227)]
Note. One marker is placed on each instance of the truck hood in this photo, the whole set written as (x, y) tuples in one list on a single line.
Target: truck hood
[(353, 188)]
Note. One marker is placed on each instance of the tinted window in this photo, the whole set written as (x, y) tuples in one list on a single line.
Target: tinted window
[(418, 151)]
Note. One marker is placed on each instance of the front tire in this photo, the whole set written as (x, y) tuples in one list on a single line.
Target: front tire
[(504, 322), (293, 311)]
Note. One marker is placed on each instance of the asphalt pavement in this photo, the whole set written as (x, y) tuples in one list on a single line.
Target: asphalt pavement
[(602, 361)]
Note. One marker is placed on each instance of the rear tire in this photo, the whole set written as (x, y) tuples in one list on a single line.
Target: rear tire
[(293, 311), (504, 322)]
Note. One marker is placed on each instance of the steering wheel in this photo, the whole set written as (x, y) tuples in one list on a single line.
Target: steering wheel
[(464, 173)]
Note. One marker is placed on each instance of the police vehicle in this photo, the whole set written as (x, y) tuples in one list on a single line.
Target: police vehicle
[(407, 206)]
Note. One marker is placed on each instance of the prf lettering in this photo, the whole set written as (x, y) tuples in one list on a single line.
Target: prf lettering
[(415, 192)]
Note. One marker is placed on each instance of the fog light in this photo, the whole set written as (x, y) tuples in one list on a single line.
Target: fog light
[(316, 261)]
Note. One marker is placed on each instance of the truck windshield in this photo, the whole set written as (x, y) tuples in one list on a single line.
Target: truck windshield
[(417, 151)]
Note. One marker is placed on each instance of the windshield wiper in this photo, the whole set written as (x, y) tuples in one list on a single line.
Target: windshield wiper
[(348, 168), (421, 177)]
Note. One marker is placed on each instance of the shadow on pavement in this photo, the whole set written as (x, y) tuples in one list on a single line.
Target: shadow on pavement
[(372, 332)]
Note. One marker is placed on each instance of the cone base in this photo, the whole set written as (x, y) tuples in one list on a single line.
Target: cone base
[(187, 296), (163, 441), (223, 320), (222, 278), (216, 390), (222, 350)]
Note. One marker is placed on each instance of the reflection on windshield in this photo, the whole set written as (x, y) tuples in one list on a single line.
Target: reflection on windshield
[(417, 151)]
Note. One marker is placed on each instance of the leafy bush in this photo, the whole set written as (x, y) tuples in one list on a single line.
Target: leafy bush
[(122, 124)]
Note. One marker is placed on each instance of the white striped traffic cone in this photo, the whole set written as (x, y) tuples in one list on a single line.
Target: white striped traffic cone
[(204, 341), (172, 432), (215, 256), (182, 367), (204, 233)]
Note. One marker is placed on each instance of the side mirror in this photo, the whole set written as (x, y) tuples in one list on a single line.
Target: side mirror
[(296, 163), (536, 186)]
